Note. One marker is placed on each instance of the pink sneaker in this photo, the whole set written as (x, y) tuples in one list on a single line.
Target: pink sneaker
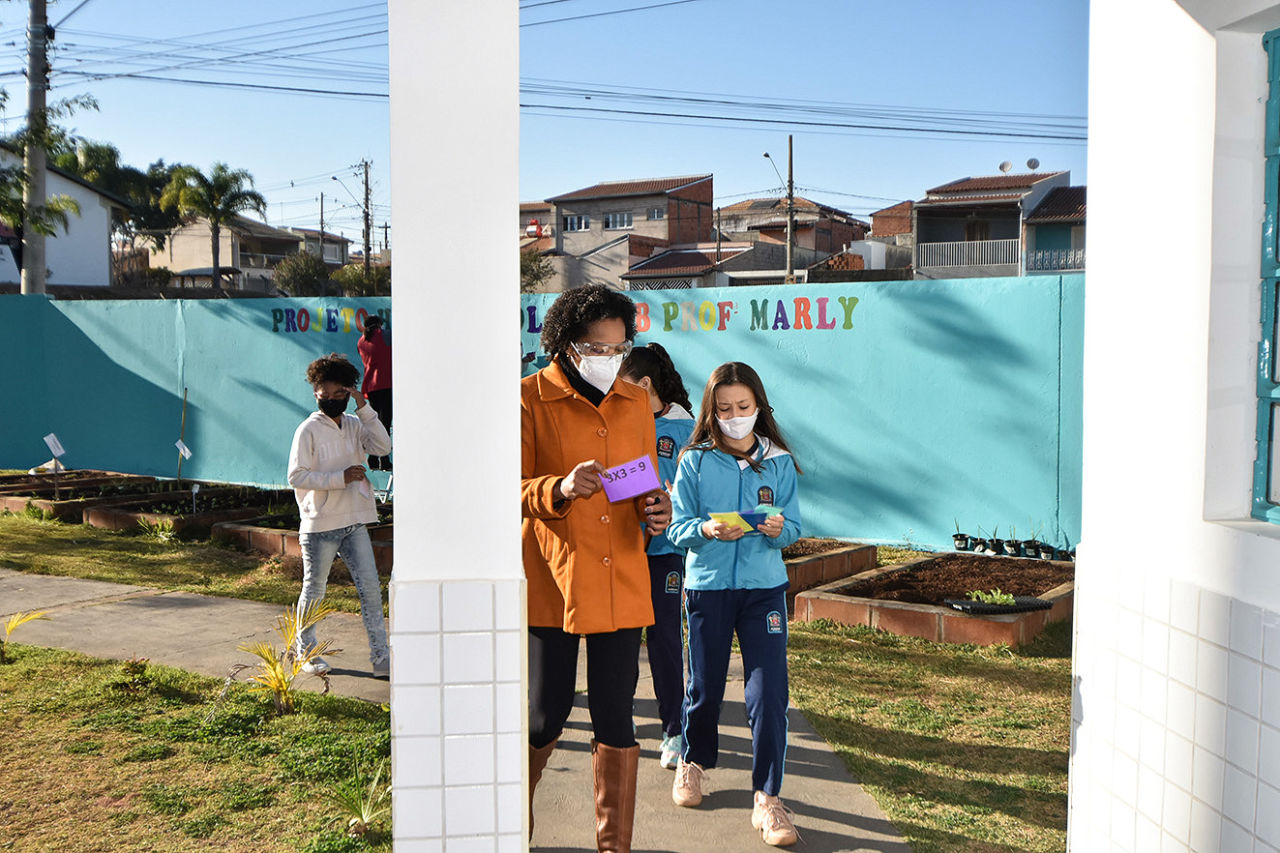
[(773, 819), (686, 790)]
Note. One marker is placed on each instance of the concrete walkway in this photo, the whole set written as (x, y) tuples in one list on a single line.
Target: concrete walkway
[(201, 633)]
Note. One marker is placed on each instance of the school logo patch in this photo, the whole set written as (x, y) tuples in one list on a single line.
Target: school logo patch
[(764, 496), (666, 447), (773, 622), (673, 583)]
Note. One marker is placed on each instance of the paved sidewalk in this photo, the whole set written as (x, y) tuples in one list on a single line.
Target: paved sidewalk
[(200, 633)]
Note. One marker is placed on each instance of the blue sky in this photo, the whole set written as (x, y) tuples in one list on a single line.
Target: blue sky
[(928, 63)]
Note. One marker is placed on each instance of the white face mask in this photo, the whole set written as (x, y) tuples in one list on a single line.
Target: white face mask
[(599, 370), (738, 428)]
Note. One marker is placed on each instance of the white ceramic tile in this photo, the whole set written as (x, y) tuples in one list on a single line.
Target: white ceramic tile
[(1267, 827), (419, 845), (468, 760), (512, 807), (511, 713), (470, 810), (1209, 769), (1271, 695), (1211, 671), (468, 658), (1128, 682), (1150, 796), (1155, 646), (415, 606), (1215, 618), (508, 604), (1173, 844), (473, 844), (1146, 834), (509, 655), (1155, 691), (1123, 818), (1244, 684), (513, 843), (467, 606), (1246, 629), (1269, 756), (1184, 607), (1182, 657), (1178, 752), (1239, 791), (1206, 828), (416, 658), (417, 812), (1128, 732), (1151, 746), (1124, 779), (468, 709), (1235, 837), (1211, 724), (1271, 638), (1155, 604), (1127, 634), (1242, 741), (417, 762), (1176, 816), (1180, 712), (415, 710), (1259, 847), (512, 755)]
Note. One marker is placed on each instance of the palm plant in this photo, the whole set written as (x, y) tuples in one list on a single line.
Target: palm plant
[(217, 197), (277, 668), (14, 621), (362, 801)]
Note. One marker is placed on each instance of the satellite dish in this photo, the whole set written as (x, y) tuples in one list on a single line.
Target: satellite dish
[(1006, 166), (1033, 164)]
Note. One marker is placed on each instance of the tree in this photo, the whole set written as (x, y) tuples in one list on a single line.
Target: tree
[(351, 279), (302, 274), (535, 269), (217, 197)]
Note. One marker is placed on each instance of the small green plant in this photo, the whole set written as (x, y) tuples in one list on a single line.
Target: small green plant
[(12, 625), (994, 596), (362, 800), (134, 675), (278, 667), (35, 513), (160, 531), (957, 521)]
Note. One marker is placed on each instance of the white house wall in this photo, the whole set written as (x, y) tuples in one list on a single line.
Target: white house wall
[(1176, 706), (81, 254)]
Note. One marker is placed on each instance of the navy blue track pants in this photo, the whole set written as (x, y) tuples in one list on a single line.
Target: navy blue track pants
[(664, 639), (759, 617)]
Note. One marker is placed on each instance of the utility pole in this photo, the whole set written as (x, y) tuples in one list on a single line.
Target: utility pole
[(386, 237), (368, 223), (791, 215), (33, 254), (322, 228)]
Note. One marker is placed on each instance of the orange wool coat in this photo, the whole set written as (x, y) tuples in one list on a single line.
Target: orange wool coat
[(584, 560)]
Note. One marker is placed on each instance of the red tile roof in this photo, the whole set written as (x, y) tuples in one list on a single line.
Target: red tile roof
[(893, 208), (994, 183), (617, 189), (975, 198), (681, 262), (1062, 204), (535, 207), (802, 205)]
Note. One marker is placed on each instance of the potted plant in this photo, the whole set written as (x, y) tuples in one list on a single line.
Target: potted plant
[(995, 545), (1012, 547), (961, 540)]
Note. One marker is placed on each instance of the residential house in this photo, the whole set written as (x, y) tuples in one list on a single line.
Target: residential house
[(724, 264), (602, 230), (78, 256), (248, 252), (893, 222), (536, 219), (816, 226), (336, 248), (1055, 232), (974, 226)]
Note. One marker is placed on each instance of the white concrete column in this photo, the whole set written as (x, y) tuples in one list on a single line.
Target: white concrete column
[(457, 592)]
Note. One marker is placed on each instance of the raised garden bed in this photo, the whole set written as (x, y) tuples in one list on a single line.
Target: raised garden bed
[(190, 516), (13, 484), (277, 535), (813, 562), (69, 502), (908, 598)]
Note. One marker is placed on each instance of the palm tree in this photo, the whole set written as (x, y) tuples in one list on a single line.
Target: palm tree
[(217, 198)]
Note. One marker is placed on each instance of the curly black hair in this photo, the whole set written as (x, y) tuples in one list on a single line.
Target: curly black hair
[(574, 310), (333, 367)]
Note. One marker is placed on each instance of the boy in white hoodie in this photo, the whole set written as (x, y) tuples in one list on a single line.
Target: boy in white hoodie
[(335, 500)]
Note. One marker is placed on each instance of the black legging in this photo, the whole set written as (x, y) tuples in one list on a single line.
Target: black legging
[(612, 669)]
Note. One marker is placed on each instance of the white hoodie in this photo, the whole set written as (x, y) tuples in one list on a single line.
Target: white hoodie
[(321, 452)]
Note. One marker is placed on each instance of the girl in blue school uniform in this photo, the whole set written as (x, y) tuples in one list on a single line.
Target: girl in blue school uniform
[(735, 582), (651, 368)]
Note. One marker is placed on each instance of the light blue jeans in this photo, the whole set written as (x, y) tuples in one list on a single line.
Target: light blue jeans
[(352, 544)]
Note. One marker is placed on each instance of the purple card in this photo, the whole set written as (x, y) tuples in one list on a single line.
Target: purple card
[(629, 479)]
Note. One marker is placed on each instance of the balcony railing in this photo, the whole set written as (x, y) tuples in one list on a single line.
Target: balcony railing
[(259, 260), (1042, 260), (970, 253)]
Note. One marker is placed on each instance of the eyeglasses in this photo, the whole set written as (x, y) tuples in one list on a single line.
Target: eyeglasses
[(591, 348)]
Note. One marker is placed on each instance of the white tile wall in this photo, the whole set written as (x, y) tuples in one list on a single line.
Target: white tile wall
[(1177, 737)]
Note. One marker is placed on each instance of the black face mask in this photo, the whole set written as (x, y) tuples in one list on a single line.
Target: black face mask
[(333, 408)]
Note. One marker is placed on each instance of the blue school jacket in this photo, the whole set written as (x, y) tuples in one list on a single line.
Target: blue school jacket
[(710, 480), (674, 429)]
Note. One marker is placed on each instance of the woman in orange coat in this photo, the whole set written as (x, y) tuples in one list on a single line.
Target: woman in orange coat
[(584, 557)]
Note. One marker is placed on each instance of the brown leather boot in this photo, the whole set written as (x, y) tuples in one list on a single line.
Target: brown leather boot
[(537, 761), (614, 771)]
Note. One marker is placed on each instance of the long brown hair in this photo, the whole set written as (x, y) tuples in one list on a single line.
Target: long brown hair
[(652, 360), (707, 434)]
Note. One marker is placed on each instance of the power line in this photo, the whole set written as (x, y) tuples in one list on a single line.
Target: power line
[(614, 12), (228, 84), (67, 16)]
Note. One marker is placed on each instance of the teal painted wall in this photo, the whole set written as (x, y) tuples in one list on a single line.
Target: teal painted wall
[(108, 377), (927, 402)]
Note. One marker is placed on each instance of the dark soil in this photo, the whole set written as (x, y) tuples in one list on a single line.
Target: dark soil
[(805, 547), (956, 575)]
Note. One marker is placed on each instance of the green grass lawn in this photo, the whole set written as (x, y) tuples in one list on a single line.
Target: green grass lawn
[(97, 761)]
